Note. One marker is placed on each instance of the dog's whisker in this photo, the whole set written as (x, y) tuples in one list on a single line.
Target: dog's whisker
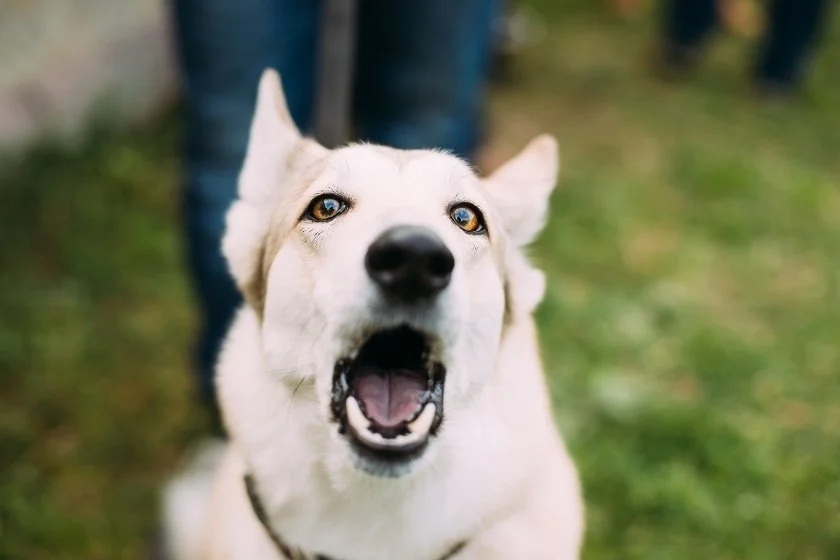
[(291, 405), (280, 372), (300, 382), (290, 371)]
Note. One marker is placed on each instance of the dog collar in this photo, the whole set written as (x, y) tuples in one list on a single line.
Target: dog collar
[(292, 553)]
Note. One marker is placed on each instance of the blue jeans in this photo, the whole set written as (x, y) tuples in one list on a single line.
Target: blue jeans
[(420, 74)]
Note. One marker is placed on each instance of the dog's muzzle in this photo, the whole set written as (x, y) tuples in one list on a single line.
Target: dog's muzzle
[(387, 395), (388, 400)]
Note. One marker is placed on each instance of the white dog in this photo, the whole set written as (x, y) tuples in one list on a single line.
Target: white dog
[(382, 387)]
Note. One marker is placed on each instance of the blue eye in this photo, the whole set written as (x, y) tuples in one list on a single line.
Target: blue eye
[(467, 218)]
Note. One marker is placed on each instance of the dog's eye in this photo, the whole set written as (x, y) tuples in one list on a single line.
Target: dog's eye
[(467, 218), (325, 208)]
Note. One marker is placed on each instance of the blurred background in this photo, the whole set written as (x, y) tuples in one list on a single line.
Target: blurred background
[(691, 329)]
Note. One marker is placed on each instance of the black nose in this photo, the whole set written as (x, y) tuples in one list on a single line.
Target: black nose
[(409, 263)]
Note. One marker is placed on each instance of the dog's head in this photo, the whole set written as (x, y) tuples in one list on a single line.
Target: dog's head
[(382, 279)]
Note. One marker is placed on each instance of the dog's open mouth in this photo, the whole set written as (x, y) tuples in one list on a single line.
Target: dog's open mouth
[(389, 398)]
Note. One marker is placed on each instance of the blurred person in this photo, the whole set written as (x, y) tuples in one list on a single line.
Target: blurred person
[(628, 8), (420, 72), (517, 26), (792, 31)]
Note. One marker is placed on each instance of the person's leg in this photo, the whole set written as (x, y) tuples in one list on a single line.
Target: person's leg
[(793, 30), (685, 25), (224, 46), (422, 70)]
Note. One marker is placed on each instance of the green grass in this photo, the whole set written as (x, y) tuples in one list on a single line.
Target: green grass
[(690, 329)]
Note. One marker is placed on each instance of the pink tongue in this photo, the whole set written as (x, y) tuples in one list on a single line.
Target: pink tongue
[(389, 397)]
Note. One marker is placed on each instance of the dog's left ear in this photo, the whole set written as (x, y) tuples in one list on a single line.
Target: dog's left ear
[(519, 190)]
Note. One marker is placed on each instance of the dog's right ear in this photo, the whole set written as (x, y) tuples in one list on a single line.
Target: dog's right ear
[(276, 151), (275, 145)]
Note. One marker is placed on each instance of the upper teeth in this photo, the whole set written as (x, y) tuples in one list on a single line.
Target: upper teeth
[(417, 429)]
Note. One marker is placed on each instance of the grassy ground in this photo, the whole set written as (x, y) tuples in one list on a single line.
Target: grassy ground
[(690, 327)]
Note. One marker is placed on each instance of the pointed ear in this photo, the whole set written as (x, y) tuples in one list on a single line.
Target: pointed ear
[(273, 140), (520, 189), (276, 151)]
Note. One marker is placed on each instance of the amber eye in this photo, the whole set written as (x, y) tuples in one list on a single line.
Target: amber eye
[(325, 207), (467, 218)]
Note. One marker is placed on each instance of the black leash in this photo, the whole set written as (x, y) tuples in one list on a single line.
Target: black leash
[(336, 53), (293, 553)]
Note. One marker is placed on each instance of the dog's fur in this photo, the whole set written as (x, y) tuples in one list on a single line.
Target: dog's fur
[(496, 475)]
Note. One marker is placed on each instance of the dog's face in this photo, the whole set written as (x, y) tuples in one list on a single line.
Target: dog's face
[(383, 279)]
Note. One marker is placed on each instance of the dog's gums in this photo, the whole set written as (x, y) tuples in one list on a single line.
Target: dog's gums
[(388, 400)]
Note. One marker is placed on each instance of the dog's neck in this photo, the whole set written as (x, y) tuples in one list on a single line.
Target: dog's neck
[(286, 550)]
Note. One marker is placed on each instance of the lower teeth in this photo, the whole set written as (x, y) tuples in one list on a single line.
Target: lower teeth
[(418, 429), (423, 423)]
